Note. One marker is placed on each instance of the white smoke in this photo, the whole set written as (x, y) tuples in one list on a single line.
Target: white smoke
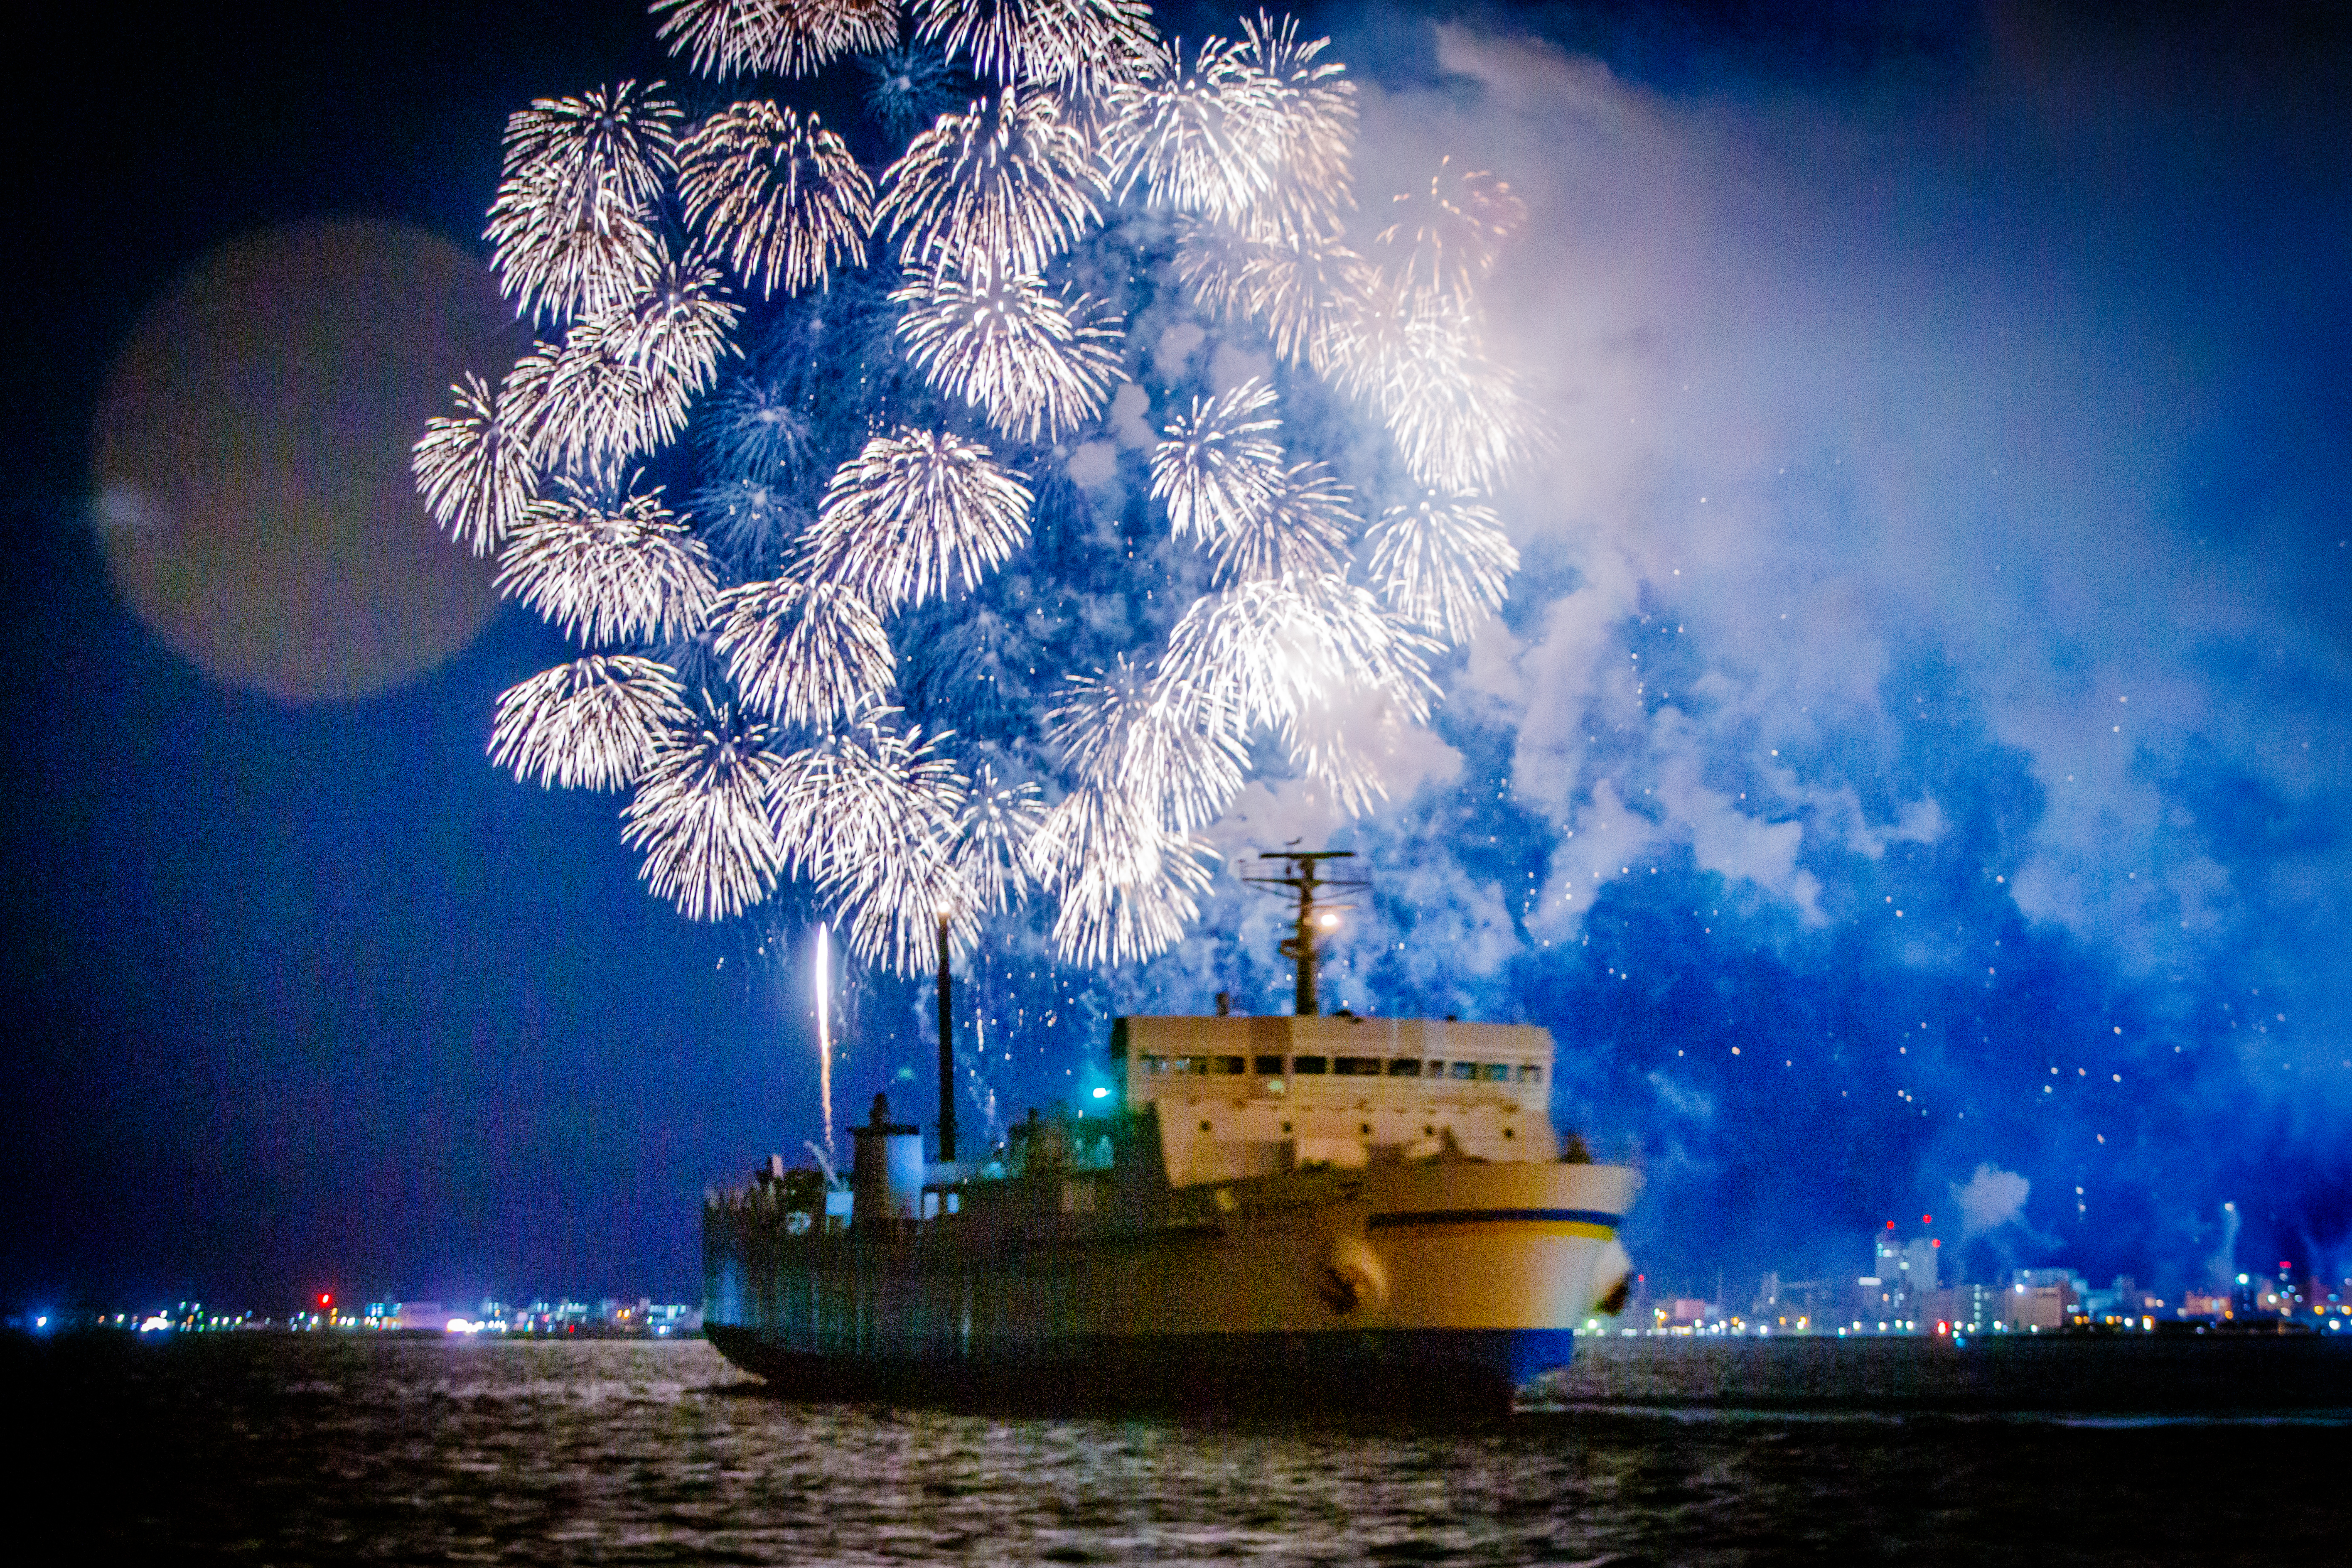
[(1993, 1197)]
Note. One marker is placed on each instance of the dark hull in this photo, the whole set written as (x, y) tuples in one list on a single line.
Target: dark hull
[(1468, 1372)]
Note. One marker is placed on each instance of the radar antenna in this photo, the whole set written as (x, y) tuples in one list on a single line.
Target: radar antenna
[(1303, 878)]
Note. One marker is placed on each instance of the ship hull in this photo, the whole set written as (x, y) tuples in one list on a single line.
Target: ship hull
[(1445, 1286), (1465, 1371)]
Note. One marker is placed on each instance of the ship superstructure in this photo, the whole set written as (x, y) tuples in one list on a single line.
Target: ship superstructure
[(1265, 1208)]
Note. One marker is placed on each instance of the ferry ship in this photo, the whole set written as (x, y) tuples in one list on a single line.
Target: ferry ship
[(1289, 1209)]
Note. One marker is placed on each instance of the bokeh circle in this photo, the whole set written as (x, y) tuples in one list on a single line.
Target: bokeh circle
[(250, 459)]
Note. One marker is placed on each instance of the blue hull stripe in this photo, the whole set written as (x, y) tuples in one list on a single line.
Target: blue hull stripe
[(1493, 1215)]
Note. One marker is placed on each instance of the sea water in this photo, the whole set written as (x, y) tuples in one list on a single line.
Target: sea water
[(291, 1449)]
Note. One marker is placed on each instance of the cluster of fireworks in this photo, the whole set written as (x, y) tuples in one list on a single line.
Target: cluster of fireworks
[(854, 487)]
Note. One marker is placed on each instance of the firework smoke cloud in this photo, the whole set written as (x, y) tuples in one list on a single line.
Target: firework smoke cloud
[(879, 644)]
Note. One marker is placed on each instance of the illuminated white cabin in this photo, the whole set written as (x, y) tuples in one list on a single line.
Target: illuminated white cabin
[(1242, 1097)]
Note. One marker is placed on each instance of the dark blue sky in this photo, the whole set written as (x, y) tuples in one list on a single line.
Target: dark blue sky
[(1947, 517)]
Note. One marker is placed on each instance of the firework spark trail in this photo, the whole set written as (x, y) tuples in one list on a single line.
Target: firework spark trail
[(915, 514), (779, 198), (1444, 562), (1204, 138), (700, 816), (1005, 186), (570, 227), (1300, 532), (625, 573), (1043, 40), (1220, 464), (593, 723), (824, 1027), (474, 469), (803, 652), (723, 38), (1035, 363)]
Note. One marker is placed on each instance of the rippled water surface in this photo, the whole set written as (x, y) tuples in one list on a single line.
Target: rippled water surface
[(284, 1450)]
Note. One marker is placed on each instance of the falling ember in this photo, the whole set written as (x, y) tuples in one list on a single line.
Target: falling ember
[(824, 1028)]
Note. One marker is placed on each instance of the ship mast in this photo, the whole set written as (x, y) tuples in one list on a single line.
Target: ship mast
[(1304, 879)]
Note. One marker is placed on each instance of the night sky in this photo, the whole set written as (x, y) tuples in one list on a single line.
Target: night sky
[(1910, 777)]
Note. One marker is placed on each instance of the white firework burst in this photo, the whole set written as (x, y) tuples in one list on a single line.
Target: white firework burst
[(624, 132), (1306, 294), (593, 723), (802, 652), (561, 253), (676, 332), (1169, 746), (869, 810), (915, 514), (1300, 532), (700, 815), (1128, 886), (1441, 244), (1005, 186), (784, 37), (1461, 421), (1315, 132), (570, 225), (1202, 138), (587, 406), (1443, 562), (1035, 363), (1339, 742), (1271, 648), (1220, 464), (988, 844), (1085, 41), (780, 197), (474, 469), (625, 573)]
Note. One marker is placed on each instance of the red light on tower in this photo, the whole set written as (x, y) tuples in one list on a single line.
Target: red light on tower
[(1927, 1219), (326, 1299), (1890, 1225)]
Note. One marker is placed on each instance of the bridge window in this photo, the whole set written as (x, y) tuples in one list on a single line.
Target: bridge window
[(1268, 1066), (1530, 1074), (1196, 1066), (1228, 1064), (1404, 1067), (1306, 1066), (1357, 1066), (1497, 1072), (1464, 1072), (1155, 1064)]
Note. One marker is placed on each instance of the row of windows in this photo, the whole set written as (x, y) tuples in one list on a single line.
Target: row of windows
[(1348, 1067)]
